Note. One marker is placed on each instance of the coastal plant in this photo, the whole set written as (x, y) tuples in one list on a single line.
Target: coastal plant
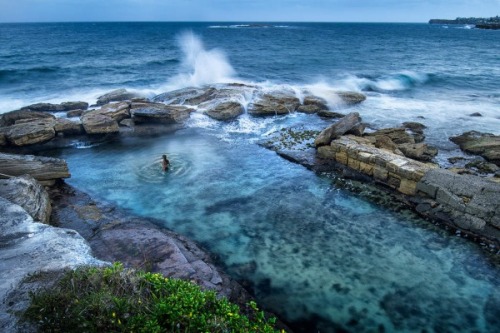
[(114, 299)]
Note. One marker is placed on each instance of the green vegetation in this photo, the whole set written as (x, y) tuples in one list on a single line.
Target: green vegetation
[(114, 299)]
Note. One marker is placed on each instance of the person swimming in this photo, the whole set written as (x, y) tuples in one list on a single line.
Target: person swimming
[(165, 163)]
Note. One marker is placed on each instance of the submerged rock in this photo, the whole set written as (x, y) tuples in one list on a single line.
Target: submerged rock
[(26, 192), (337, 129), (351, 97), (486, 145)]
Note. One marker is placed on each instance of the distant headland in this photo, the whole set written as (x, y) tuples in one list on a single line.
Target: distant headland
[(481, 23)]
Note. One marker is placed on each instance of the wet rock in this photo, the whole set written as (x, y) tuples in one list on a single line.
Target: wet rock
[(10, 118), (127, 122), (30, 131), (117, 111), (26, 192), (188, 96), (225, 110), (159, 113), (95, 122), (337, 129), (29, 247), (43, 169), (475, 114), (329, 114), (274, 104), (3, 139), (456, 159), (397, 135), (313, 104), (74, 113), (69, 106), (357, 130), (68, 127), (385, 142), (351, 97), (44, 107), (117, 95), (482, 166), (484, 144), (417, 130), (418, 151)]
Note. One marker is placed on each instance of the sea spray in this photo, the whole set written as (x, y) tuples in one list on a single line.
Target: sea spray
[(199, 65)]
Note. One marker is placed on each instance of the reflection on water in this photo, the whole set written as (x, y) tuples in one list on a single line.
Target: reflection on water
[(311, 252)]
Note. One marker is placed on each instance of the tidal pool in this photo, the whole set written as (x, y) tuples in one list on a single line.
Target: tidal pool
[(320, 257)]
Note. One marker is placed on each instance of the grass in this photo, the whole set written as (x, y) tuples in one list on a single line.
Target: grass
[(114, 299)]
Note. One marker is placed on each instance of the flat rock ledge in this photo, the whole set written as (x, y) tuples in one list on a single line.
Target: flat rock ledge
[(464, 202)]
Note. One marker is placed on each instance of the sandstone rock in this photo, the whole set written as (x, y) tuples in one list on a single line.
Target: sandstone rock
[(482, 166), (159, 113), (117, 111), (74, 113), (189, 96), (417, 130), (127, 122), (69, 106), (10, 118), (29, 247), (30, 132), (117, 95), (26, 192), (484, 144), (337, 129), (68, 127), (274, 104), (329, 114), (41, 168), (95, 122), (357, 130), (385, 142), (43, 107), (225, 110), (397, 135), (313, 104), (418, 151), (350, 97)]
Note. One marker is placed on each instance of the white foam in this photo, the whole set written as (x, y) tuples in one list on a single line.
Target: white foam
[(201, 66)]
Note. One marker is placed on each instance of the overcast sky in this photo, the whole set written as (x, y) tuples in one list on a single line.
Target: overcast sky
[(243, 10)]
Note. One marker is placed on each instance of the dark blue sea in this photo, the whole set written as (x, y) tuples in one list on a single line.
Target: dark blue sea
[(323, 258)]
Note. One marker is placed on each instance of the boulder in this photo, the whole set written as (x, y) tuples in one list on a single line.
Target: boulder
[(11, 117), (29, 132), (74, 113), (313, 104), (357, 130), (43, 169), (475, 114), (274, 104), (486, 145), (329, 114), (351, 97), (159, 113), (69, 106), (418, 151), (117, 111), (44, 107), (337, 129), (225, 111), (189, 96), (385, 142), (95, 122), (397, 135), (417, 130), (26, 192), (117, 95), (68, 127)]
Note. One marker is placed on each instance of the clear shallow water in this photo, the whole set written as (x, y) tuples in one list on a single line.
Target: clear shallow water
[(313, 253)]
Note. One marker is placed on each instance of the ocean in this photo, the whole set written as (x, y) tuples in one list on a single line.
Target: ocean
[(321, 257)]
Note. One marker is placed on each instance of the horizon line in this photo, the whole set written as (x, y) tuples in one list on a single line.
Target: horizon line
[(203, 21)]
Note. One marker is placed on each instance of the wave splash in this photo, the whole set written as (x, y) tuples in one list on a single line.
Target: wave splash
[(201, 66), (403, 80)]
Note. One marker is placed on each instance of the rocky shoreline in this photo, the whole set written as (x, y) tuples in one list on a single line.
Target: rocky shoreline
[(396, 161)]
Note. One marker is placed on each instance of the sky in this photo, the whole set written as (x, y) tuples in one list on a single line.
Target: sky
[(244, 10)]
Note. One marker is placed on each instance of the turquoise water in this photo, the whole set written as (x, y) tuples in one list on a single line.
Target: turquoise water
[(320, 257)]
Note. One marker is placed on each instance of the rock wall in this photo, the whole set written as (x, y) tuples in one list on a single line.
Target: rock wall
[(396, 171)]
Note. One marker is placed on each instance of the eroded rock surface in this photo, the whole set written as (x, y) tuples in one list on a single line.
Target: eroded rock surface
[(30, 131), (117, 95), (274, 104), (337, 129), (484, 144), (225, 111), (159, 113)]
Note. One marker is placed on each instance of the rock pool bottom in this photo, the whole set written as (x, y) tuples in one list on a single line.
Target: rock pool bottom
[(318, 256)]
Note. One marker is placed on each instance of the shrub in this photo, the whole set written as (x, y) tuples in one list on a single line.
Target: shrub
[(114, 299)]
